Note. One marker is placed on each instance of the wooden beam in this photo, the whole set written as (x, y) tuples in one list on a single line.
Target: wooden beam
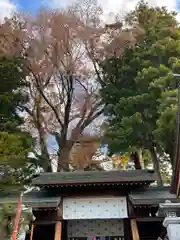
[(149, 219), (178, 188), (134, 229), (58, 231), (50, 222), (32, 231)]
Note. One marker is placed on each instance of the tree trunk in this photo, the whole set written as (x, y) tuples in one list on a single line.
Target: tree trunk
[(136, 159), (63, 160), (45, 159), (141, 158), (65, 147), (46, 162), (64, 157), (156, 166)]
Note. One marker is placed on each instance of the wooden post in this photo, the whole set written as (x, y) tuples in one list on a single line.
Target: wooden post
[(58, 231), (134, 229), (32, 230)]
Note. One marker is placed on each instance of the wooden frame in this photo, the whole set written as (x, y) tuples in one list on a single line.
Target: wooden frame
[(134, 229), (58, 231)]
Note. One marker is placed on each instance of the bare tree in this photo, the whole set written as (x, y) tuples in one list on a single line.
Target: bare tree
[(66, 90)]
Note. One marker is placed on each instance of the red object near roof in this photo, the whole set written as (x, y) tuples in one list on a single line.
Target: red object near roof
[(17, 218)]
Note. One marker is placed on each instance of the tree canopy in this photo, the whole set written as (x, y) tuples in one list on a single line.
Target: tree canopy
[(15, 143), (11, 98), (140, 93), (51, 68), (62, 52)]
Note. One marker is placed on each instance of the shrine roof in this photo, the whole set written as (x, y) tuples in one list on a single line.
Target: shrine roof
[(152, 196), (35, 199), (89, 178)]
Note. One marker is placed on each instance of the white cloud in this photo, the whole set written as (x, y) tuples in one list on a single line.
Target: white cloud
[(123, 6), (56, 3), (7, 8), (117, 6)]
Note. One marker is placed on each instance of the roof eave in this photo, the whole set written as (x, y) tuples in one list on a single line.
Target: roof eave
[(142, 183)]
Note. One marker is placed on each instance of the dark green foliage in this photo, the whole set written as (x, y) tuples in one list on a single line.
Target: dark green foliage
[(15, 144), (11, 97), (140, 92)]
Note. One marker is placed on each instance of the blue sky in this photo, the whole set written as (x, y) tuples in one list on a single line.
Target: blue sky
[(31, 5), (178, 4), (117, 6), (7, 7), (109, 5)]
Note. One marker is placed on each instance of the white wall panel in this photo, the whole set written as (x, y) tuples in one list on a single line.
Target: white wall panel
[(90, 228), (95, 208)]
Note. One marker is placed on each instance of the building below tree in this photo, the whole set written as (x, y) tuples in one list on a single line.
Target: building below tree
[(107, 205)]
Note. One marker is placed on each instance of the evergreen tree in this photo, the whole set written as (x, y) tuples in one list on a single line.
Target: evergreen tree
[(138, 86), (15, 144), (11, 97)]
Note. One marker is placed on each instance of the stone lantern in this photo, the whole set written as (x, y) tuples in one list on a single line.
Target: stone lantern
[(172, 219)]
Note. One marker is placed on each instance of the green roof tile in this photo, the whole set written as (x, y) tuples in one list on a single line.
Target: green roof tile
[(120, 177), (152, 196), (38, 199)]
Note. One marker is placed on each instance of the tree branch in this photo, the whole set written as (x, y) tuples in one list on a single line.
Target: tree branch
[(46, 99)]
